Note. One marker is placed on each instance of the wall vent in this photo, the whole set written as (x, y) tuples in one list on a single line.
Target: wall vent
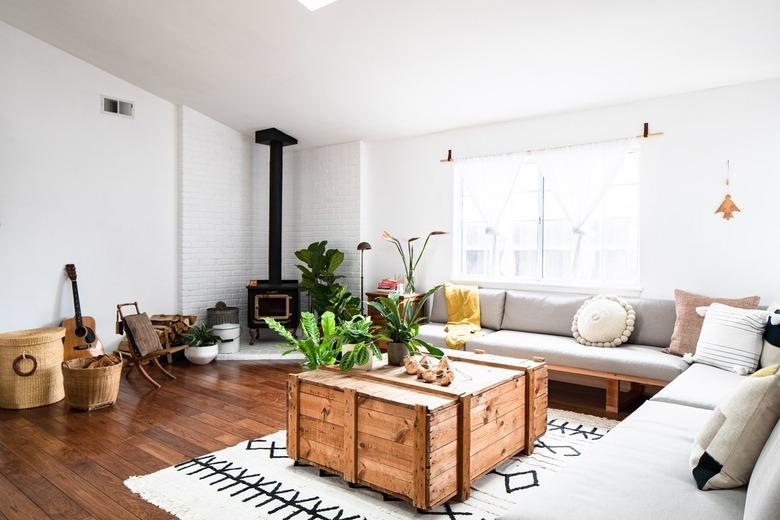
[(117, 107)]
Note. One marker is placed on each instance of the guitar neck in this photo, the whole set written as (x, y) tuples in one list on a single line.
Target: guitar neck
[(76, 303)]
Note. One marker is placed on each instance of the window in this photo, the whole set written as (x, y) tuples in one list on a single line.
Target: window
[(514, 226)]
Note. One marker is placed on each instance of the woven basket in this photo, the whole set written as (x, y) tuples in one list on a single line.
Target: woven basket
[(90, 388), (30, 372)]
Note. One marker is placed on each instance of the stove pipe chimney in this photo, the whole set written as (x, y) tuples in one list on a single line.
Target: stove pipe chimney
[(275, 139)]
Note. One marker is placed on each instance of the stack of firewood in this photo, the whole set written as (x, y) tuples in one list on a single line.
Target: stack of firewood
[(172, 327)]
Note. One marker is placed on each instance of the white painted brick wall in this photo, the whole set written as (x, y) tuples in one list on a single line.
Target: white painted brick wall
[(325, 196), (224, 211), (217, 224)]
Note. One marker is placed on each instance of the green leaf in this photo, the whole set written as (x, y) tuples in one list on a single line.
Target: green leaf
[(309, 326), (360, 354), (347, 361), (279, 329), (328, 321)]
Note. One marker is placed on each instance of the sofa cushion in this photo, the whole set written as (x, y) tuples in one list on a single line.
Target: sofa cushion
[(541, 313), (654, 322), (730, 442), (434, 334), (639, 470), (603, 321), (634, 360), (491, 307), (763, 498), (701, 386), (688, 323)]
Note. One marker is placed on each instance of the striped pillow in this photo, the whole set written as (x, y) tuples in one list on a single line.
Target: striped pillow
[(731, 338)]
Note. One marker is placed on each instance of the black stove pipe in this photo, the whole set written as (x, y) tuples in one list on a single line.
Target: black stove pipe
[(276, 140)]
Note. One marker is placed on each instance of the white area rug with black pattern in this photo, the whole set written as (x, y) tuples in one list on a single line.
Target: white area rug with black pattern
[(255, 479)]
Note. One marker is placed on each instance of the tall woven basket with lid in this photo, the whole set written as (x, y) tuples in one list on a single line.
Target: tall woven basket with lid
[(30, 373)]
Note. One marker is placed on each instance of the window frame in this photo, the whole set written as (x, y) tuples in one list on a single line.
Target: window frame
[(538, 284)]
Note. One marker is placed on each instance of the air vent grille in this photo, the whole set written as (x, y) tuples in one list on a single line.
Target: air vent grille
[(117, 107)]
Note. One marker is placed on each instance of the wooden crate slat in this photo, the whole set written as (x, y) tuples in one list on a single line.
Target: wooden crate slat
[(322, 432), (386, 426), (486, 434), (382, 450), (497, 452)]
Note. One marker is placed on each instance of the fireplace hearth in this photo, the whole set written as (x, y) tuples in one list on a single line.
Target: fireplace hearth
[(273, 298)]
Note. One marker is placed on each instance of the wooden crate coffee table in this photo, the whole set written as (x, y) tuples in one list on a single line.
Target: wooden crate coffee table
[(418, 441)]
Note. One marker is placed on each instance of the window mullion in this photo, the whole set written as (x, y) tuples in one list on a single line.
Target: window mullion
[(540, 230)]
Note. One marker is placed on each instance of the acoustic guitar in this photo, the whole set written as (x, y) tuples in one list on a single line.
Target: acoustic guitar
[(80, 338)]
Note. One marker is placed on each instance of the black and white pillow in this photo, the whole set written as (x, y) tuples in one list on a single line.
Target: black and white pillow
[(770, 355), (731, 338)]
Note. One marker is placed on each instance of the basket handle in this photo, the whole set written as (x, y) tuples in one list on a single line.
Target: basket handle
[(17, 362)]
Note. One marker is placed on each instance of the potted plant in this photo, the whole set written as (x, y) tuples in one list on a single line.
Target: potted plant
[(358, 349), (319, 348), (409, 259), (204, 345), (402, 324)]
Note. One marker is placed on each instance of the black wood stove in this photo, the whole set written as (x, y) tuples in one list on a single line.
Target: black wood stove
[(273, 298)]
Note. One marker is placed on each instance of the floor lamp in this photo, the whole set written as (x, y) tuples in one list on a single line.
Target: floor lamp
[(363, 246)]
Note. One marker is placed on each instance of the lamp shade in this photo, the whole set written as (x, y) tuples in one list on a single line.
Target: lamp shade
[(363, 246)]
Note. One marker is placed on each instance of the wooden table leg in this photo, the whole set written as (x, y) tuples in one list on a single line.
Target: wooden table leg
[(613, 396)]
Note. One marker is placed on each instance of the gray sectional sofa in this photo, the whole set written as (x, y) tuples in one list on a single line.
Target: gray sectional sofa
[(641, 469)]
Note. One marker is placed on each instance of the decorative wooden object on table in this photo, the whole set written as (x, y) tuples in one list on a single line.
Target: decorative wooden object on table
[(80, 338), (420, 442)]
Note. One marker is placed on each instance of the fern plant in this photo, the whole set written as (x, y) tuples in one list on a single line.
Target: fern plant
[(201, 336), (357, 332), (319, 348)]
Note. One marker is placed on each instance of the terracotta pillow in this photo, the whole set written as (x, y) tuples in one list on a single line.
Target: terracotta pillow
[(688, 324)]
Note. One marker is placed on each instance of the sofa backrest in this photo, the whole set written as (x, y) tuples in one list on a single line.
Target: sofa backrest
[(491, 307), (543, 313), (654, 322), (552, 313), (763, 499)]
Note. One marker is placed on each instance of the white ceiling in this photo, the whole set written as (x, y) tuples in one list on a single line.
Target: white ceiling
[(375, 69)]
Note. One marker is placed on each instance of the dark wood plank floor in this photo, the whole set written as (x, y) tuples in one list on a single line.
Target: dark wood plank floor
[(56, 463)]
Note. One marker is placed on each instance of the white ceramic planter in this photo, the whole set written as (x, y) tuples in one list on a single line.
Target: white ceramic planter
[(201, 355), (367, 366)]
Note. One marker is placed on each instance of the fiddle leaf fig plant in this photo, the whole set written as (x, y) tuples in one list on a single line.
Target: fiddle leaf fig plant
[(318, 274), (319, 349)]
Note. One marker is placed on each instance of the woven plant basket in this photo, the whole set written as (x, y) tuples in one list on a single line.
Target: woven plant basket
[(90, 388), (30, 372)]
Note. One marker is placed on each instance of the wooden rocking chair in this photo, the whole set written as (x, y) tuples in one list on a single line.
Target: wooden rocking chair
[(145, 346)]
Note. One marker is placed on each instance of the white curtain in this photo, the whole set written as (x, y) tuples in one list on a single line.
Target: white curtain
[(578, 177), (490, 182)]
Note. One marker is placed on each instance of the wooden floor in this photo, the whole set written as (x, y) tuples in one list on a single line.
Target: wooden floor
[(63, 464), (55, 463)]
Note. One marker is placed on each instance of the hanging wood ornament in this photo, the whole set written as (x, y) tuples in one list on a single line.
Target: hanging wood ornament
[(727, 207)]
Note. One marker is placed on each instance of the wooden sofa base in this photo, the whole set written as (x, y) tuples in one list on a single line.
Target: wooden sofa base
[(612, 405)]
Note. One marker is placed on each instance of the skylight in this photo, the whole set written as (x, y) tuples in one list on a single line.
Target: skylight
[(313, 5)]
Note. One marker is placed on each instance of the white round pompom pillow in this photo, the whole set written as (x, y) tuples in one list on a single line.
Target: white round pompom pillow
[(603, 321)]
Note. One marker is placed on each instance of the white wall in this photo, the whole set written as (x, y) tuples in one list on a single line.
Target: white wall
[(683, 243), (217, 224), (78, 186)]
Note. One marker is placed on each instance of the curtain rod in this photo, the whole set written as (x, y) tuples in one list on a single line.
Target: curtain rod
[(644, 135)]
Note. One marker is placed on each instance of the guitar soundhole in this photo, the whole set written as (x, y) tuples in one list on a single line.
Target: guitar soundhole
[(81, 332)]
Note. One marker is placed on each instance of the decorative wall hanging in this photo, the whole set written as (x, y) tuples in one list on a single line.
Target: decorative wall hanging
[(727, 207)]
